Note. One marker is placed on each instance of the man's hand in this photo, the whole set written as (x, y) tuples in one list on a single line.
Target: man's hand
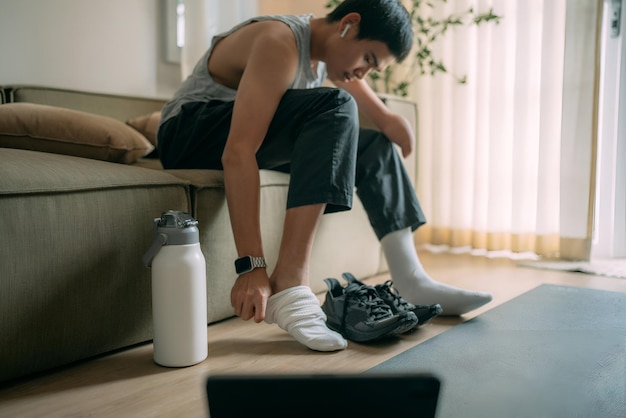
[(249, 295), (398, 129)]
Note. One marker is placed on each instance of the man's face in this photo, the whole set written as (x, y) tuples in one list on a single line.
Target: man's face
[(351, 59)]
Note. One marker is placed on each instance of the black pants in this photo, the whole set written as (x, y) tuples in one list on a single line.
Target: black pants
[(315, 137)]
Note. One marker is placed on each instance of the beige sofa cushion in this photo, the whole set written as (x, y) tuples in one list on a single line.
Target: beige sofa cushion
[(72, 284), (57, 130)]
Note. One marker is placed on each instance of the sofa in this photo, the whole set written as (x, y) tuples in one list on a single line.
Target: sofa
[(77, 216)]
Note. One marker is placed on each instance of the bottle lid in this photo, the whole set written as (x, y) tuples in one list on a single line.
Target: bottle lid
[(180, 228), (172, 228)]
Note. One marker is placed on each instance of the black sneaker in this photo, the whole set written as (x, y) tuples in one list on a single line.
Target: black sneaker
[(386, 291), (357, 313)]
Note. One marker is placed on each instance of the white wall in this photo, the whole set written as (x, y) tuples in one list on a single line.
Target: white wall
[(110, 46)]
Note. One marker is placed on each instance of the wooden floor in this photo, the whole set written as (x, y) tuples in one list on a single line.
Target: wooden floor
[(129, 384)]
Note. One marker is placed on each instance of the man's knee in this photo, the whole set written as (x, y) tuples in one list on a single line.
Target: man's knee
[(338, 102), (346, 114), (336, 113), (375, 144), (346, 101)]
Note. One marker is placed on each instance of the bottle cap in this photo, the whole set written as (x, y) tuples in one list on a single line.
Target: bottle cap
[(172, 228)]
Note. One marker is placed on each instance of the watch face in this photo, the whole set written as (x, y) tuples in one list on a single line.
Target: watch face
[(243, 265)]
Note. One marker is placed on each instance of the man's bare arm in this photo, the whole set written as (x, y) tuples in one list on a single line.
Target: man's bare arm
[(394, 126), (269, 70)]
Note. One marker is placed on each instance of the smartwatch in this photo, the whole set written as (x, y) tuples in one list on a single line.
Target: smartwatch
[(248, 263)]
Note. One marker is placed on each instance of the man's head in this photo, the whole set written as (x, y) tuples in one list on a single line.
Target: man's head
[(386, 21)]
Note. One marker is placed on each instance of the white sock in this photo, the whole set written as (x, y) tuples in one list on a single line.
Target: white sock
[(416, 286), (297, 311)]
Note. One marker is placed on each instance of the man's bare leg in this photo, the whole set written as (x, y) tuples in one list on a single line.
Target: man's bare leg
[(293, 306), (292, 267)]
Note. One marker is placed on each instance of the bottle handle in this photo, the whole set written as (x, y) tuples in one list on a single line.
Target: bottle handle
[(159, 241)]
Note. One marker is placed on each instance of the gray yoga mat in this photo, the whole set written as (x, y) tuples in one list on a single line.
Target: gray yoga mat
[(554, 351)]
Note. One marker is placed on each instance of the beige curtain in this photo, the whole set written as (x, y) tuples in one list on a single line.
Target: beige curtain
[(505, 161)]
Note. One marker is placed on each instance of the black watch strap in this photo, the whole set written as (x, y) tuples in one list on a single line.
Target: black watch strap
[(248, 263)]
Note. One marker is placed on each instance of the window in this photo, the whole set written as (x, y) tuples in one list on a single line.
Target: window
[(174, 29)]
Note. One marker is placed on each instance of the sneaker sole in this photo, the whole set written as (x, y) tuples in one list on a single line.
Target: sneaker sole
[(426, 313), (394, 329)]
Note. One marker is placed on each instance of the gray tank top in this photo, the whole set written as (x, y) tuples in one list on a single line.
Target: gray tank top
[(200, 87)]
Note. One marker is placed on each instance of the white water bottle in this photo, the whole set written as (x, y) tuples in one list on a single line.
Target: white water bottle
[(179, 300)]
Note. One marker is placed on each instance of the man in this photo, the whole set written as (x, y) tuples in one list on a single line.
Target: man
[(254, 101)]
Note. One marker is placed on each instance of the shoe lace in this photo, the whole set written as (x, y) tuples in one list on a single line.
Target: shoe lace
[(389, 291), (367, 297)]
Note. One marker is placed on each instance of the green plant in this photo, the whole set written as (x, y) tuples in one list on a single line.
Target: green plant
[(397, 78)]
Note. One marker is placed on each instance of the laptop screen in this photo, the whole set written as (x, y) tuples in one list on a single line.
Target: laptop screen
[(341, 395)]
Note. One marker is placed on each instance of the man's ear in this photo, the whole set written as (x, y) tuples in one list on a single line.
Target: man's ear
[(351, 21)]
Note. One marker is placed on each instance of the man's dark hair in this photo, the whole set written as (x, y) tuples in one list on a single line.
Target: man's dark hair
[(386, 21)]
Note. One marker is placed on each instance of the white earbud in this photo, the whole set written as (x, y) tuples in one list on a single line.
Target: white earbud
[(345, 30)]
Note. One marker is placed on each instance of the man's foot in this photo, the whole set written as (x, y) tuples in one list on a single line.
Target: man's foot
[(416, 286), (453, 300), (297, 311)]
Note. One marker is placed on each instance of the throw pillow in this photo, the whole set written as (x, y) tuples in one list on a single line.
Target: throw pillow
[(147, 125), (63, 131)]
